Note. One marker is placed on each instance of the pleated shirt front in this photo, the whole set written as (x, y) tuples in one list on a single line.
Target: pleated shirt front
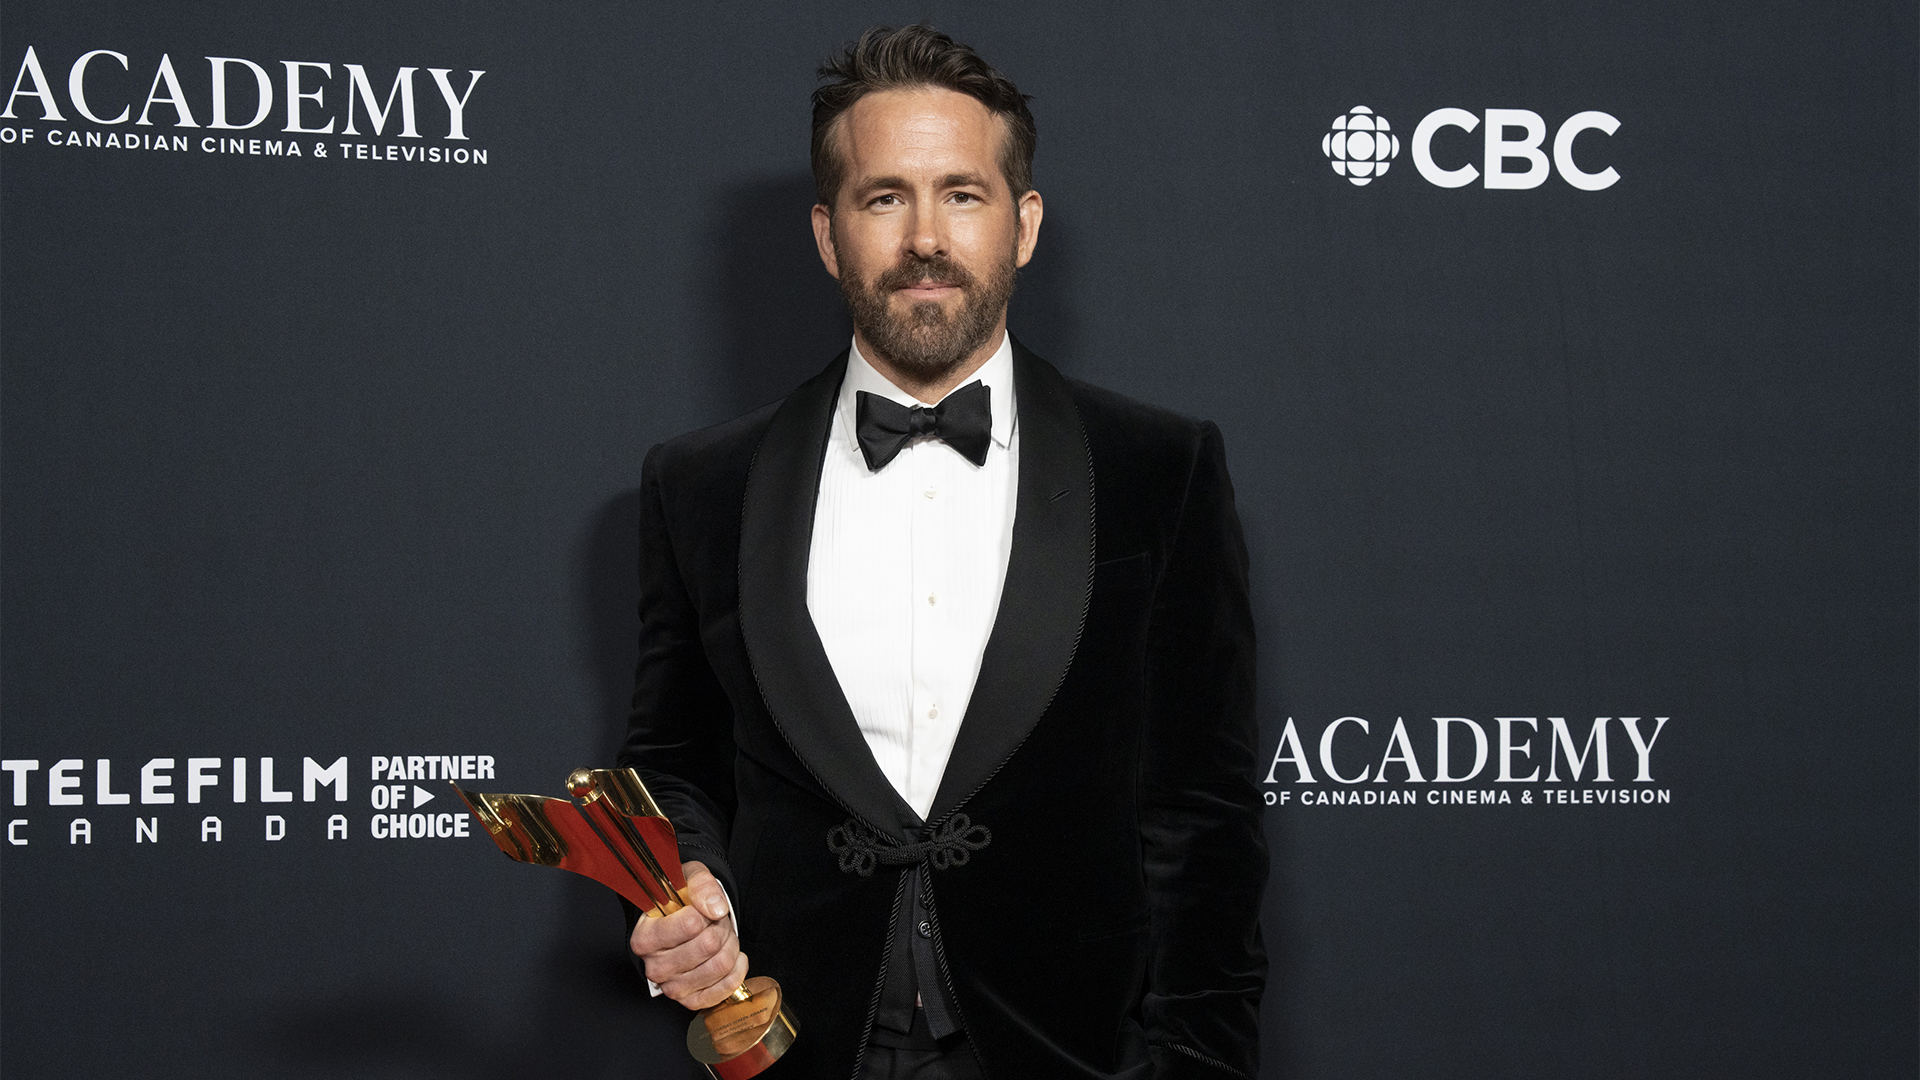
[(905, 571)]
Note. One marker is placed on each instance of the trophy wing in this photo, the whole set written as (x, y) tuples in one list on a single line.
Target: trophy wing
[(552, 832), (664, 845)]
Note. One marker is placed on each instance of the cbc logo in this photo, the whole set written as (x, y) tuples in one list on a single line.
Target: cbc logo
[(1361, 145)]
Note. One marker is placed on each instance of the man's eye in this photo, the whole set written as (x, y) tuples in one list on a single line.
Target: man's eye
[(885, 200), (965, 197)]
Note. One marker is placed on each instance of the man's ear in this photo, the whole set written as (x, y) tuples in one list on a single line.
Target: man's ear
[(1031, 209), (823, 239)]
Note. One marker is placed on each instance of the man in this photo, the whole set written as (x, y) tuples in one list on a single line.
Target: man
[(946, 662)]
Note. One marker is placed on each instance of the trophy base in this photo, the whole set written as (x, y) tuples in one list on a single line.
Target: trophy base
[(740, 1037)]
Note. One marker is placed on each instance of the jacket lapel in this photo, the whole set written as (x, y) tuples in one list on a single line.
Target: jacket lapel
[(1043, 605), (796, 680)]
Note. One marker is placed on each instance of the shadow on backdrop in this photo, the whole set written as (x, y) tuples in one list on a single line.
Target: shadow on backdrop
[(1043, 314), (607, 595), (774, 310), (587, 1013), (1281, 927), (589, 1018)]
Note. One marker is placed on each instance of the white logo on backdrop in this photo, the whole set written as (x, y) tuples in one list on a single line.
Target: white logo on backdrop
[(316, 98), (1533, 761), (1361, 145), (226, 785)]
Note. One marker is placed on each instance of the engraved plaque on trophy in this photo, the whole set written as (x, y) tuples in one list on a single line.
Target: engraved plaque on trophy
[(617, 836)]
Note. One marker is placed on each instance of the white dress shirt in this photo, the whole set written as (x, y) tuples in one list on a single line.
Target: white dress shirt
[(904, 577), (905, 571)]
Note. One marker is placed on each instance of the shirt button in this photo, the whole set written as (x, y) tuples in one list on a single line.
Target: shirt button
[(933, 598), (928, 493), (925, 928), (933, 713)]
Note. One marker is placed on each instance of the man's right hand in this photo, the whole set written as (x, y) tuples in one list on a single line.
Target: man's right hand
[(693, 955)]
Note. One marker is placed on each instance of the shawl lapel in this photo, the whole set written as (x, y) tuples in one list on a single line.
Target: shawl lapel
[(796, 680), (1043, 605)]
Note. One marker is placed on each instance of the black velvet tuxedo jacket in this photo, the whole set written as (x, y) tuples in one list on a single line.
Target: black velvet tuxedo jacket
[(1111, 926)]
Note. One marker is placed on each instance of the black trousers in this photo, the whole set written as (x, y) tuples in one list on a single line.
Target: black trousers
[(945, 1062)]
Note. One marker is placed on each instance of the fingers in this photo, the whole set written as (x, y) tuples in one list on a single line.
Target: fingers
[(693, 954), (716, 992), (653, 936), (705, 891), (708, 903), (710, 982), (701, 949)]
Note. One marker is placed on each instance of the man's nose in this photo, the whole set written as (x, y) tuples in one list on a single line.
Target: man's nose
[(928, 236)]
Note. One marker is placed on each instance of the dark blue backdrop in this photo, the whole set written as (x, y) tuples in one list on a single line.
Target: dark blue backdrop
[(312, 458)]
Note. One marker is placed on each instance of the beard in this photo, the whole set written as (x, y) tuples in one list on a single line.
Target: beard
[(925, 341)]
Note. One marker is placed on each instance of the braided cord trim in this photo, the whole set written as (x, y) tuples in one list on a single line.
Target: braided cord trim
[(861, 849)]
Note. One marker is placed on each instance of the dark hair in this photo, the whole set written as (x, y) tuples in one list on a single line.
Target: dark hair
[(914, 56)]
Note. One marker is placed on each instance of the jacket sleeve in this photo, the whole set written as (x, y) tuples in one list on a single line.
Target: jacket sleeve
[(1201, 820), (680, 729)]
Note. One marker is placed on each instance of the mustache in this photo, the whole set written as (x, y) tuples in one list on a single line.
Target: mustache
[(938, 270)]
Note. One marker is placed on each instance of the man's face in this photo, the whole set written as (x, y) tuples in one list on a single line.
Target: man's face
[(925, 235)]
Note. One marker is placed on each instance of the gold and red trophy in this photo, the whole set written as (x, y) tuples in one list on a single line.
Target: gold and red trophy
[(617, 836)]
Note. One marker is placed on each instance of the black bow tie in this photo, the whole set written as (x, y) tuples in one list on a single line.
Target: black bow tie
[(964, 420)]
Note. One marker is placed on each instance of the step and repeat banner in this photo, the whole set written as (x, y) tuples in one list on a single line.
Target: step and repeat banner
[(1566, 359)]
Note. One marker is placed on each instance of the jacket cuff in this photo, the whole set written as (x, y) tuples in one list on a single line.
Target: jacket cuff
[(1178, 1061)]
